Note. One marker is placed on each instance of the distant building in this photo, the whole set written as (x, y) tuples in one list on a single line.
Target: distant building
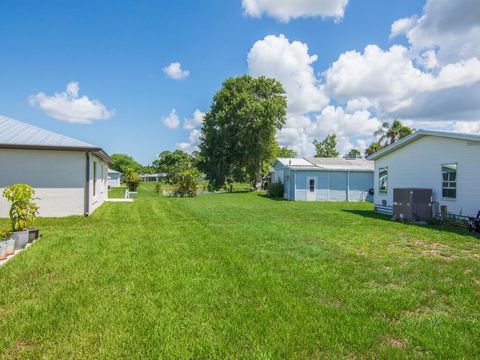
[(324, 179), (114, 178), (151, 177), (445, 162), (69, 176)]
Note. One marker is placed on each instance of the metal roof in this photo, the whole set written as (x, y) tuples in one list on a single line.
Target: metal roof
[(111, 171), (333, 164), (343, 164), (419, 134), (14, 132), (20, 135)]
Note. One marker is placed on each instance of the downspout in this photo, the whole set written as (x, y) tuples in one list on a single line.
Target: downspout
[(87, 184)]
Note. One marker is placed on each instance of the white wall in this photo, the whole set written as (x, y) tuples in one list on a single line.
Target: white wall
[(419, 164), (101, 194), (57, 176), (114, 180)]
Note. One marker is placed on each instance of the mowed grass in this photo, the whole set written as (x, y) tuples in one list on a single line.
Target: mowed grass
[(240, 276)]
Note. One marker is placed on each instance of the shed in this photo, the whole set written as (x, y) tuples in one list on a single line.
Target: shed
[(69, 176), (114, 178), (324, 179), (445, 162)]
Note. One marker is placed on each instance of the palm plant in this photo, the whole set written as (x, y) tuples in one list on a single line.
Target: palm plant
[(389, 133)]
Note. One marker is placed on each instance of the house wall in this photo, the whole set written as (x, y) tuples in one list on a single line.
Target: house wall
[(419, 164), (97, 197), (335, 185), (58, 178), (114, 180)]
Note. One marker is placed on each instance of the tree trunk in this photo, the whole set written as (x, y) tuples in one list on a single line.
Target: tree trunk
[(258, 180)]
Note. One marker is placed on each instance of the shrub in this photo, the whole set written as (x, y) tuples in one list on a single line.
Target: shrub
[(276, 190), (131, 179), (23, 210), (5, 233), (186, 182), (158, 188)]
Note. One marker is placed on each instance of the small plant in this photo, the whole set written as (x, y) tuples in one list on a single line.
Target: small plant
[(5, 233), (276, 190), (186, 182), (158, 188), (132, 179), (23, 211)]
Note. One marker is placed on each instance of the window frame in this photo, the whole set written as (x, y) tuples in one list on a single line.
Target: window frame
[(449, 182), (94, 179), (380, 170)]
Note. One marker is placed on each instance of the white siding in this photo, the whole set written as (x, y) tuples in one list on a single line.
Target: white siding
[(419, 164), (101, 194), (57, 176)]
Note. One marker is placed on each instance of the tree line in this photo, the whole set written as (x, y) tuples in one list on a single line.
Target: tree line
[(238, 140)]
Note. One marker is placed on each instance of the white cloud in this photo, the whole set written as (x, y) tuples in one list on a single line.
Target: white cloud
[(291, 64), (300, 131), (467, 127), (195, 121), (193, 142), (389, 80), (174, 71), (70, 107), (403, 26), (451, 27), (172, 121), (285, 10)]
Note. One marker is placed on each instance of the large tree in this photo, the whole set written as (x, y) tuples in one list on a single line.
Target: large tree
[(238, 133), (122, 162), (327, 147), (172, 163), (388, 133)]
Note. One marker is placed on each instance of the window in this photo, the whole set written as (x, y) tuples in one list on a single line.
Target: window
[(383, 180), (311, 185), (94, 178), (449, 181)]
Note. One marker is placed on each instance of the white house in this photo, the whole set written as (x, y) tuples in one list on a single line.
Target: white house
[(324, 179), (114, 178), (68, 175), (445, 162)]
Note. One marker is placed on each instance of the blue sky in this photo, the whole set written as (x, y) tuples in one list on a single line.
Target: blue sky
[(117, 50)]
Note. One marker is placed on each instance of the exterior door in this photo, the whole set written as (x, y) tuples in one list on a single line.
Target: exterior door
[(311, 189)]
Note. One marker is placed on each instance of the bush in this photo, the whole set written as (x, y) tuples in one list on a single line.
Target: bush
[(276, 190), (186, 182), (131, 179), (23, 210), (5, 233)]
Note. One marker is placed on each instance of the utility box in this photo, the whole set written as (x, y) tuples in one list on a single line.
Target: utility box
[(412, 204)]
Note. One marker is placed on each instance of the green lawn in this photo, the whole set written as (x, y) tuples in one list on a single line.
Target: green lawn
[(240, 276), (117, 192)]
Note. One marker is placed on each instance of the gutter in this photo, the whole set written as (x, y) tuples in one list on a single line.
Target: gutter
[(97, 150), (87, 183)]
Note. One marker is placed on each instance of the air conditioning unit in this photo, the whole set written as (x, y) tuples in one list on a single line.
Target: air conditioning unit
[(412, 204)]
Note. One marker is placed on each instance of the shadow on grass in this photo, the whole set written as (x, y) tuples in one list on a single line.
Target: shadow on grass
[(271, 198), (373, 215)]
